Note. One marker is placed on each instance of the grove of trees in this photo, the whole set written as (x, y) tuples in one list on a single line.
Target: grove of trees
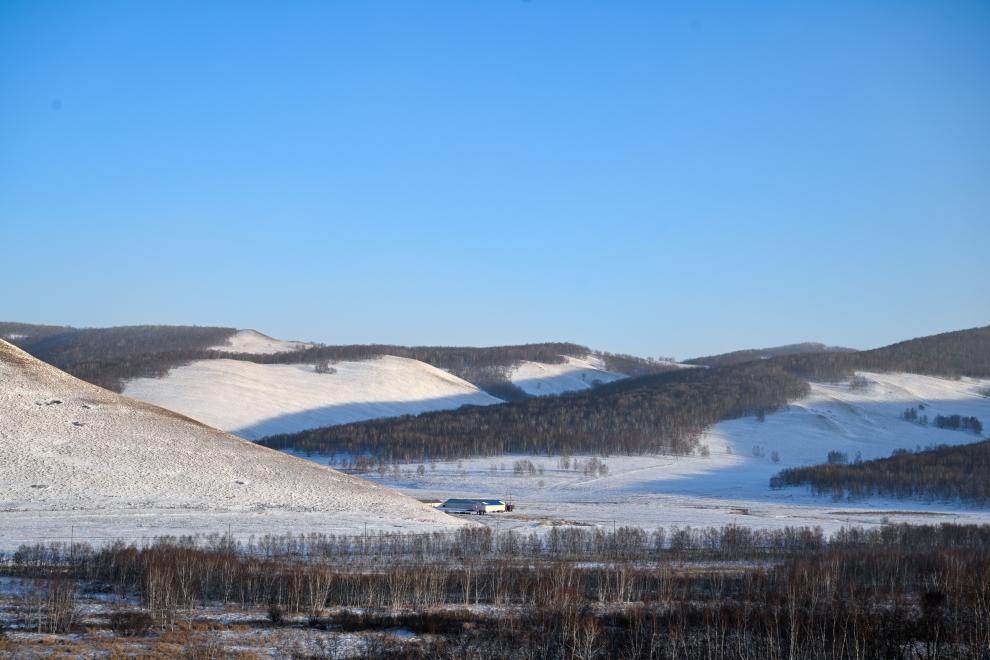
[(959, 473), (663, 413), (950, 354), (732, 592)]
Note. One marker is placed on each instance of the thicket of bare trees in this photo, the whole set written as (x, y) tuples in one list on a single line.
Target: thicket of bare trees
[(664, 413), (951, 354), (750, 354), (895, 592), (486, 367), (958, 473), (108, 356)]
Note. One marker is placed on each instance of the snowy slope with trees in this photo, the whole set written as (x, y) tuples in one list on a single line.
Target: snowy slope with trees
[(253, 400), (727, 480), (539, 379), (73, 451), (255, 343), (190, 369)]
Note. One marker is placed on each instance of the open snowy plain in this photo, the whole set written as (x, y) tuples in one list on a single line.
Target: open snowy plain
[(728, 480)]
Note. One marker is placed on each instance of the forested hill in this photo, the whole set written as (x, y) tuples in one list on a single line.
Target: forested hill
[(662, 413), (22, 333), (748, 355), (950, 354), (108, 356), (485, 367), (658, 413), (943, 473)]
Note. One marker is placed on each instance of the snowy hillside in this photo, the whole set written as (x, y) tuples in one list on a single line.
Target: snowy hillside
[(731, 482), (254, 400), (538, 379), (253, 342), (73, 453)]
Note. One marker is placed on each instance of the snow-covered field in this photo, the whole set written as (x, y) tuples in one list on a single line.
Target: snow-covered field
[(254, 400), (73, 454), (539, 379), (731, 484)]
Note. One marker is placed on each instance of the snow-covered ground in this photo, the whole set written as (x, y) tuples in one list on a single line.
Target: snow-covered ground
[(252, 341), (731, 483), (73, 454), (254, 400), (539, 379)]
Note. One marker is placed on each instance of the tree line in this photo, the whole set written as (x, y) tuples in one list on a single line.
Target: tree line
[(109, 356), (950, 354), (486, 367), (750, 354), (894, 592), (663, 413), (958, 473)]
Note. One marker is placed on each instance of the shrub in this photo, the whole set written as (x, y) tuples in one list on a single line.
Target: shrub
[(837, 457), (275, 615), (859, 383), (131, 623)]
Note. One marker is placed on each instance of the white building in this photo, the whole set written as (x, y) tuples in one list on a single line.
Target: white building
[(473, 506)]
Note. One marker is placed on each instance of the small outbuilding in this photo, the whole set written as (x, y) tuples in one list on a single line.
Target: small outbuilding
[(473, 506)]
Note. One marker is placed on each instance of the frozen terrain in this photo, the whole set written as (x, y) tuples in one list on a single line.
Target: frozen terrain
[(252, 341), (539, 379), (254, 400), (731, 483), (75, 455)]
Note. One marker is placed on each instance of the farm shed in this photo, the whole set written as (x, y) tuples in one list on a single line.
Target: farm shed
[(473, 506)]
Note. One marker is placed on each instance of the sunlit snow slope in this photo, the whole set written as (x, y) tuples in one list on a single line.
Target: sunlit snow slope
[(538, 379), (68, 448), (252, 341), (254, 400)]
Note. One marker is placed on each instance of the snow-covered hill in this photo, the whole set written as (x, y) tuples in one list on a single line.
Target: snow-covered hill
[(254, 400), (73, 453), (729, 481), (539, 379), (252, 341)]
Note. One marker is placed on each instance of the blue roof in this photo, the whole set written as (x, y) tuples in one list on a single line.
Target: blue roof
[(472, 501)]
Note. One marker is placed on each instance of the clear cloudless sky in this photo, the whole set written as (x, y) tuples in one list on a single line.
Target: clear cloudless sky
[(652, 177)]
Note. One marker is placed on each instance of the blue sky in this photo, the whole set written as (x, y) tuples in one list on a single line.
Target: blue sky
[(649, 177)]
